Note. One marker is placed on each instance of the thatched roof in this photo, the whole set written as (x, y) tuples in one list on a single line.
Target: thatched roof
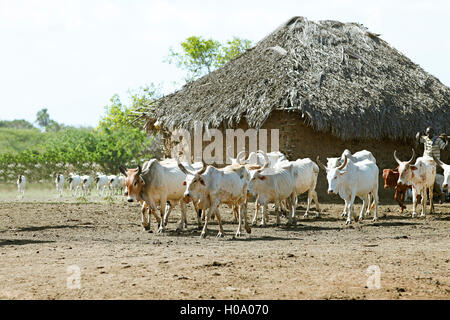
[(338, 77)]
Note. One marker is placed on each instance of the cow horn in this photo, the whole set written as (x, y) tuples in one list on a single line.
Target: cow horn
[(413, 155), (139, 169), (321, 164), (183, 169), (266, 159), (439, 162), (203, 169), (122, 169), (238, 157), (396, 158), (344, 164)]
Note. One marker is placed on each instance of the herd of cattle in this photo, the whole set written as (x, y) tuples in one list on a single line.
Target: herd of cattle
[(266, 177), (82, 185)]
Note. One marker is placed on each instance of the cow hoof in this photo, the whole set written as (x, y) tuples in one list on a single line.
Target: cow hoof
[(348, 222), (343, 214), (238, 234), (219, 235), (374, 219), (160, 230), (248, 229), (203, 235), (422, 215), (305, 215)]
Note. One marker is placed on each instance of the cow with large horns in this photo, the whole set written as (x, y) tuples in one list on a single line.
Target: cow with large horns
[(209, 187), (351, 180), (420, 176)]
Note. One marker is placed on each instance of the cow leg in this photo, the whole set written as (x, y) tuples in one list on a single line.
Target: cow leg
[(145, 223), (424, 201), (350, 209), (168, 211), (293, 203), (431, 188), (255, 216), (183, 222), (243, 211), (219, 221), (308, 203), (263, 216), (198, 212), (414, 195), (364, 203), (375, 201), (316, 202), (344, 212), (236, 214)]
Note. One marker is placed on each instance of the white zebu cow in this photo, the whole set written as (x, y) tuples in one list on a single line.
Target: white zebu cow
[(275, 185), (259, 158), (157, 183), (356, 157), (75, 183), (351, 180), (86, 184), (21, 183), (307, 172), (59, 182), (420, 177), (113, 184), (102, 183), (446, 168), (209, 187)]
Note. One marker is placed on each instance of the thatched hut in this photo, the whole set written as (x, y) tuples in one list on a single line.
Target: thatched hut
[(325, 85)]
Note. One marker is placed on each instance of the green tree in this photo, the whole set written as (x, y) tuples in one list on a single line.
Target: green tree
[(43, 118), (16, 124), (231, 50), (200, 56)]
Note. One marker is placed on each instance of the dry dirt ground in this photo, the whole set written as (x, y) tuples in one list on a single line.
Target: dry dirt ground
[(40, 242)]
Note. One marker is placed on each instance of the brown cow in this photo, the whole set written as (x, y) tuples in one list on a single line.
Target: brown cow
[(390, 181)]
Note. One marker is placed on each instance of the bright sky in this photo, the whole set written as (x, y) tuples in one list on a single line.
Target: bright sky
[(72, 56)]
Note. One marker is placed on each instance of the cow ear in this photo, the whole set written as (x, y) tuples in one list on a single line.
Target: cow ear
[(413, 167), (262, 177)]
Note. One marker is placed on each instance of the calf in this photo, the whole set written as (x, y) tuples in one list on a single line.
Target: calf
[(21, 182), (59, 182), (420, 176), (75, 183), (86, 184), (102, 183)]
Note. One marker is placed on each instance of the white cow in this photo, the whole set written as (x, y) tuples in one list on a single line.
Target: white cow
[(351, 180), (102, 183), (446, 168), (86, 184), (75, 184), (307, 172), (157, 183), (357, 156), (21, 183), (275, 185), (113, 184), (59, 182), (209, 187), (420, 177)]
